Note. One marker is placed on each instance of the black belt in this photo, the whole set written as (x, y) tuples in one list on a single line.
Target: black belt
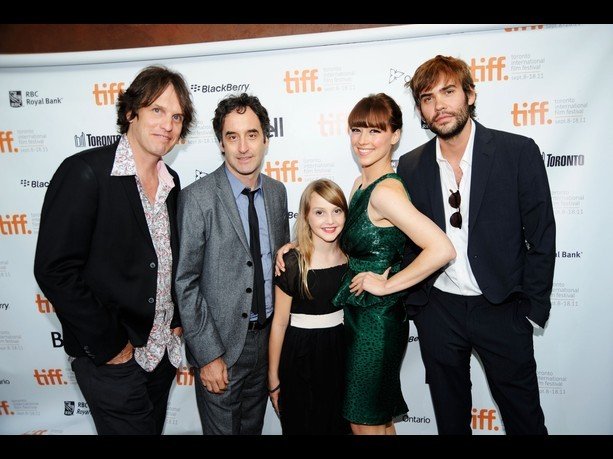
[(255, 325)]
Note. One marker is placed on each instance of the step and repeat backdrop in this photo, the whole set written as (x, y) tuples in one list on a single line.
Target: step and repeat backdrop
[(547, 82)]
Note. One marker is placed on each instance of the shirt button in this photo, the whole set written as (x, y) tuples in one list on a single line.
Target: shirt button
[(152, 265), (151, 300), (249, 263), (248, 290)]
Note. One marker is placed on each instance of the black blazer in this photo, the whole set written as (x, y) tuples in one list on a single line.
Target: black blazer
[(95, 259), (511, 237)]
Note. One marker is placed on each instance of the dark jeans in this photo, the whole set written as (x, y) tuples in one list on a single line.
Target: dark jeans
[(450, 327), (124, 399)]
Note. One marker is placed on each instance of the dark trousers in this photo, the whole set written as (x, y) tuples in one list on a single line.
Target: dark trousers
[(450, 327), (124, 399), (241, 408)]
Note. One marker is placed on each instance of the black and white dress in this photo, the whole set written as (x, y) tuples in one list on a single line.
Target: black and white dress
[(312, 363)]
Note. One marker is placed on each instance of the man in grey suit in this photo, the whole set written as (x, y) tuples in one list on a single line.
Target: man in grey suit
[(225, 295)]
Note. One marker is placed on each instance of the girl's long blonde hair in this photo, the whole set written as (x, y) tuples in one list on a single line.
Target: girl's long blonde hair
[(332, 193)]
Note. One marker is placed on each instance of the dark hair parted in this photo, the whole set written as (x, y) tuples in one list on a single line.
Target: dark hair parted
[(376, 110), (240, 104), (148, 85), (447, 67)]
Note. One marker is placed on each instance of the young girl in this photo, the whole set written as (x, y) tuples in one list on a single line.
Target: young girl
[(307, 347)]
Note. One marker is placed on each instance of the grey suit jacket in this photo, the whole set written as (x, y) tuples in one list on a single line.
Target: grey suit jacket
[(215, 265)]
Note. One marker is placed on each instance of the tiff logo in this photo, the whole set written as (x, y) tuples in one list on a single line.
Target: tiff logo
[(285, 172), (185, 376), (525, 116), (483, 419), (14, 224), (43, 305), (485, 72), (298, 82), (5, 408), (6, 142), (104, 96), (50, 377), (332, 124), (524, 28)]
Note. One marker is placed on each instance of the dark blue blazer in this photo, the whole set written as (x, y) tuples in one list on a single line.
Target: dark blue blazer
[(511, 227), (95, 260)]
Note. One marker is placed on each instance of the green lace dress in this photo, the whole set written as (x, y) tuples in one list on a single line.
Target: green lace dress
[(376, 327)]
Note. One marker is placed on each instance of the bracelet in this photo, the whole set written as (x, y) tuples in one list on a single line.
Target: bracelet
[(275, 389)]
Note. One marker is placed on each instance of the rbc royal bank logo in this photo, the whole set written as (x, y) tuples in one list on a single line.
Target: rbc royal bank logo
[(15, 99), (68, 407)]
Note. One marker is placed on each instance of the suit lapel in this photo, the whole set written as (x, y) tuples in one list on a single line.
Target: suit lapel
[(483, 155), (226, 196), (433, 184), (129, 186)]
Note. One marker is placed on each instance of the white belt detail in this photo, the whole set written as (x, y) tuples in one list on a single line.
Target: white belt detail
[(317, 320)]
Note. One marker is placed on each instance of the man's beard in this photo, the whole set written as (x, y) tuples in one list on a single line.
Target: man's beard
[(452, 128)]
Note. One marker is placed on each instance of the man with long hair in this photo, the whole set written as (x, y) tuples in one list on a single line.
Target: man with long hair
[(106, 255)]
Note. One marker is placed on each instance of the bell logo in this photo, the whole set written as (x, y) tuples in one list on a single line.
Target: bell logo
[(302, 81), (43, 305), (104, 96), (50, 377), (332, 124), (525, 115), (56, 339), (276, 127), (519, 29), (485, 71), (14, 224), (5, 408), (185, 376), (285, 171), (6, 142), (483, 419)]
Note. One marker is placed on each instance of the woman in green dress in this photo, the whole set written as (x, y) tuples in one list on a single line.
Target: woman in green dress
[(380, 219)]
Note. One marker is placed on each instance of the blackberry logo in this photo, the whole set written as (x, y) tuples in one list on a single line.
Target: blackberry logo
[(214, 88), (15, 99)]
